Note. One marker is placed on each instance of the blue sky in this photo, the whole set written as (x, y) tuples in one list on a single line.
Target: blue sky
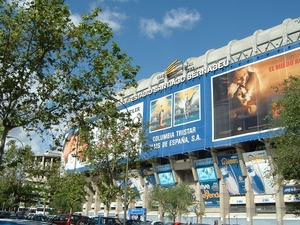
[(156, 32)]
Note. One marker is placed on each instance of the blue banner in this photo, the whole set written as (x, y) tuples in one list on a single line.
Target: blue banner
[(259, 172), (149, 178), (165, 175), (232, 174), (209, 183)]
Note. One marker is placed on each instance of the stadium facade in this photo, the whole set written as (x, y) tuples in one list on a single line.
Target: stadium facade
[(208, 124)]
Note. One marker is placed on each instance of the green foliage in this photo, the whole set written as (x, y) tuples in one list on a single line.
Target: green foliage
[(15, 186), (45, 179), (199, 209), (115, 143), (69, 192), (52, 69), (286, 141), (60, 206), (167, 198)]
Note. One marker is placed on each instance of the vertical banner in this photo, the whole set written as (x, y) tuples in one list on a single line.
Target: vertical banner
[(232, 174), (135, 184), (165, 175), (209, 184), (259, 172), (149, 178)]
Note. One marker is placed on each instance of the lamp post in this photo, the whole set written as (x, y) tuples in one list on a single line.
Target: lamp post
[(126, 189), (126, 168), (8, 136)]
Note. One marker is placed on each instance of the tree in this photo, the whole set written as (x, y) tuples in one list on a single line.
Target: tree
[(15, 178), (45, 179), (167, 198), (286, 141), (52, 70), (115, 144), (69, 192), (198, 209)]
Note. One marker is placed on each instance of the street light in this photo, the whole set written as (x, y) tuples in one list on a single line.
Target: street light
[(126, 168), (8, 136)]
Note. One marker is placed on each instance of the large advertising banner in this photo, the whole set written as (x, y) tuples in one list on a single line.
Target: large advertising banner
[(259, 172), (73, 156), (205, 107), (165, 175), (209, 184), (175, 120), (73, 153), (243, 97), (232, 174)]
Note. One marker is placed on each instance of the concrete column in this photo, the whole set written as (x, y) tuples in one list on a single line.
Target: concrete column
[(43, 163), (279, 198), (224, 195), (192, 158), (224, 202), (176, 177), (250, 205), (97, 200), (155, 173), (200, 199), (89, 200), (145, 193)]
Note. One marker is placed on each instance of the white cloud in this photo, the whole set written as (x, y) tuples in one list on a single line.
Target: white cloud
[(75, 18), (150, 27), (180, 18), (113, 18)]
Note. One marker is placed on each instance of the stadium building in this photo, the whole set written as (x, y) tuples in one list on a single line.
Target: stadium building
[(208, 123)]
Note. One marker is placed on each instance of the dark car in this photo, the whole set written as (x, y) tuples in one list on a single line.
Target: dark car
[(113, 221), (13, 216), (155, 222), (37, 217), (5, 214), (68, 219), (21, 222), (104, 220), (21, 215)]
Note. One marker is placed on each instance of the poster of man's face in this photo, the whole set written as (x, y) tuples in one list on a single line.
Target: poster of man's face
[(243, 97)]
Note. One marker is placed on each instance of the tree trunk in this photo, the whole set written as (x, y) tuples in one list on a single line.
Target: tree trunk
[(2, 146)]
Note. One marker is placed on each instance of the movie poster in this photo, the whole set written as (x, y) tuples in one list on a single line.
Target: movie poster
[(187, 106), (161, 113), (242, 98)]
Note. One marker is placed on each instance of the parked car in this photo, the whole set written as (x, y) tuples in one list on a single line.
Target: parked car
[(70, 219), (175, 223), (104, 220), (36, 217), (21, 215), (22, 222), (155, 222), (5, 214), (13, 216)]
